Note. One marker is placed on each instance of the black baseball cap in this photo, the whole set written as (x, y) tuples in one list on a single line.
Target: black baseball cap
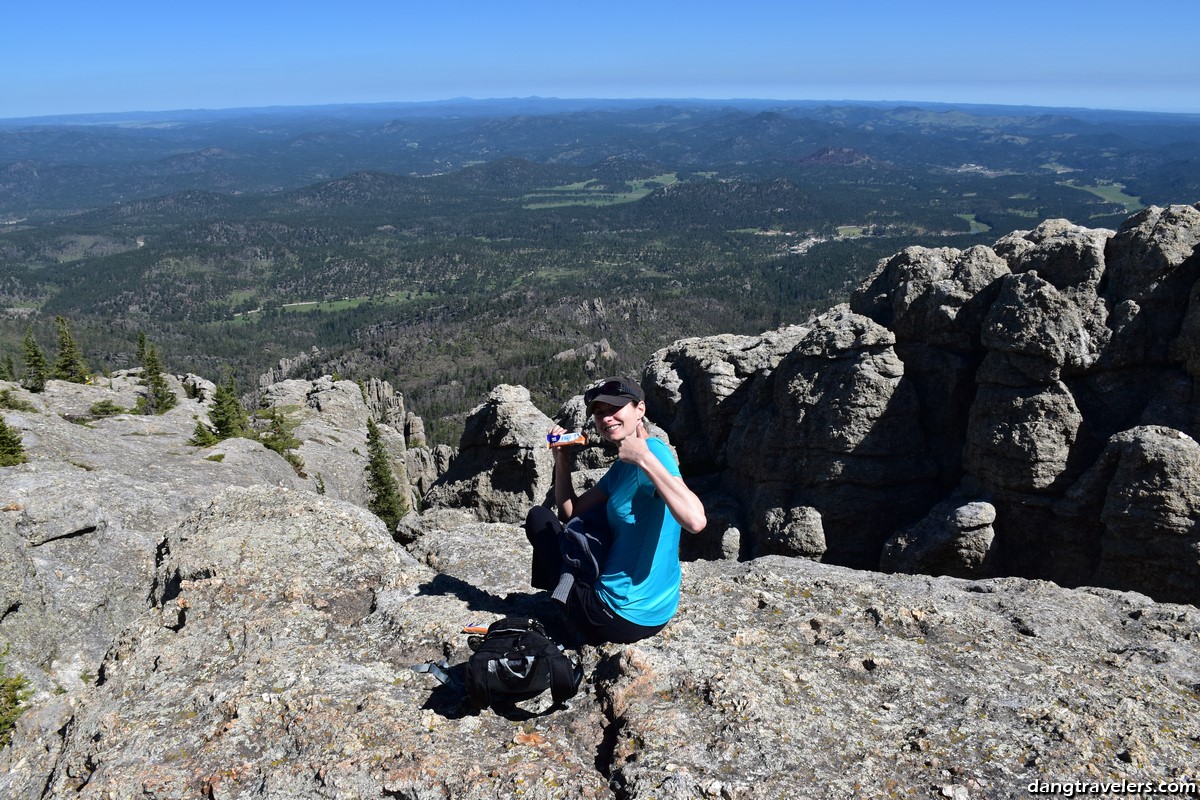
[(616, 391)]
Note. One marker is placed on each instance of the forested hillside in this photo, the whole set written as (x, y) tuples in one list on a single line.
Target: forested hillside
[(448, 248)]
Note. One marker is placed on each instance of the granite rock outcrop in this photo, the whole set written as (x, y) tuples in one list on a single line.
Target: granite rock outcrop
[(81, 519), (1020, 376), (502, 466), (274, 659)]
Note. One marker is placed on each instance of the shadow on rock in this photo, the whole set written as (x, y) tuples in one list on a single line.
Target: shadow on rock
[(519, 604)]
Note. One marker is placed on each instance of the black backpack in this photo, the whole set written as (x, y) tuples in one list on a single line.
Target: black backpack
[(516, 660)]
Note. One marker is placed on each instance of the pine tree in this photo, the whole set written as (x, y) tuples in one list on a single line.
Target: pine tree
[(11, 449), (141, 347), (203, 436), (227, 415), (278, 437), (14, 693), (68, 366), (384, 492), (158, 398), (8, 370), (35, 364)]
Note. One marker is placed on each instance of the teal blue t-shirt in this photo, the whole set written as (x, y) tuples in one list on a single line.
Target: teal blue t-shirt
[(640, 578)]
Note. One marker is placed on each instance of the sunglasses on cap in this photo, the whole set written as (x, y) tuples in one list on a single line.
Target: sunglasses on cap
[(614, 389)]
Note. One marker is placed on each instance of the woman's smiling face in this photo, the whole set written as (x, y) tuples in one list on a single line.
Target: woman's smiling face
[(614, 423)]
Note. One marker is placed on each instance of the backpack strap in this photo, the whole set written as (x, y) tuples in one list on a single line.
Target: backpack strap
[(477, 690), (438, 669), (565, 676)]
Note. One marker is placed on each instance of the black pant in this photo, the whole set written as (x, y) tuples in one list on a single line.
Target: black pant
[(594, 620)]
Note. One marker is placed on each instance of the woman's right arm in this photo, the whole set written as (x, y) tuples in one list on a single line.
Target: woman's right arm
[(569, 504)]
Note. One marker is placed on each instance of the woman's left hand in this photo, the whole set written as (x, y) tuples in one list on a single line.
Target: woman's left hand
[(682, 502), (633, 449)]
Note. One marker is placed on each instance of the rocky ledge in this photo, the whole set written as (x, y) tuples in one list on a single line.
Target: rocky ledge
[(275, 661)]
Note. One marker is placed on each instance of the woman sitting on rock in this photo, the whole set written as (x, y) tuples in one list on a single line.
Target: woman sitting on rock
[(628, 525)]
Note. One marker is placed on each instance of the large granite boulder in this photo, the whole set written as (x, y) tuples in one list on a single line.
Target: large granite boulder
[(502, 466), (936, 296), (1019, 438), (834, 428), (1143, 494), (1043, 330), (1151, 267), (1065, 254), (387, 406), (82, 516), (1071, 362), (954, 539), (696, 387)]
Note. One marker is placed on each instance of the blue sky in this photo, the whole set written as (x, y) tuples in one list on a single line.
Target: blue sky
[(80, 57)]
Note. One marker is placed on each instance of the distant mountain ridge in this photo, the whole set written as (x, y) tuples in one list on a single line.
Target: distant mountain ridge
[(549, 105), (276, 148)]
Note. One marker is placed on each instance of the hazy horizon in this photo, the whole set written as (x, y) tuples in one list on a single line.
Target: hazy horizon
[(782, 103), (76, 58)]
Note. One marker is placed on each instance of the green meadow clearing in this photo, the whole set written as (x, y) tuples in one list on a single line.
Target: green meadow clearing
[(1113, 193), (592, 193)]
